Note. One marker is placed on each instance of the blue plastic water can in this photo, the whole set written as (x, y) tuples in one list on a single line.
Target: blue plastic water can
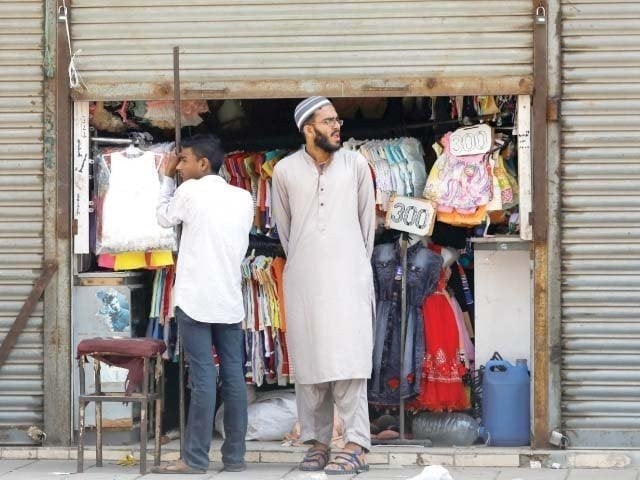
[(506, 410)]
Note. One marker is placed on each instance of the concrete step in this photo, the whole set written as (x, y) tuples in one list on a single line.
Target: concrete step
[(275, 452)]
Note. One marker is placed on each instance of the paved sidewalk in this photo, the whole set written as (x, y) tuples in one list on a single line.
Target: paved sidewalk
[(62, 469)]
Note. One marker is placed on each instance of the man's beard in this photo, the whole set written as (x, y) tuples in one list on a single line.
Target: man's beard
[(322, 141)]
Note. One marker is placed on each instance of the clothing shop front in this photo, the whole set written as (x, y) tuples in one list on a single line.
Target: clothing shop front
[(407, 78)]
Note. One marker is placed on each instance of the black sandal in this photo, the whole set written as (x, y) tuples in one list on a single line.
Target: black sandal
[(345, 463), (314, 460)]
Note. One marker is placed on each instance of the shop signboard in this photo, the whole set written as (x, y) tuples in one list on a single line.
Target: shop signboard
[(81, 207)]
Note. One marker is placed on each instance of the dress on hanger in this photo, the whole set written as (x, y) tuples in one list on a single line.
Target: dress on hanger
[(442, 387), (128, 215), (460, 184), (423, 268)]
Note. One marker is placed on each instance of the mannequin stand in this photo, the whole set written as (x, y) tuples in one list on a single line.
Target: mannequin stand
[(403, 333)]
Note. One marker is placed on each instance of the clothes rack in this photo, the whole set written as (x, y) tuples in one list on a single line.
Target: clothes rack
[(454, 121), (404, 239), (137, 139)]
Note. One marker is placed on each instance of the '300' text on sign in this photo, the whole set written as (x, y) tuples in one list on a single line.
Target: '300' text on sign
[(412, 215)]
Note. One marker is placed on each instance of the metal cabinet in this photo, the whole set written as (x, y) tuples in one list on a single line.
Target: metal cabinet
[(108, 304)]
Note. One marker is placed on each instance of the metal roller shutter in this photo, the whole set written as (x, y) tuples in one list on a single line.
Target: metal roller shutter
[(279, 48), (600, 214), (21, 211)]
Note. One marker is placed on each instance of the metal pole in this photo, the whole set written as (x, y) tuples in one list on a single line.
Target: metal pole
[(403, 323), (176, 95), (178, 139), (541, 220)]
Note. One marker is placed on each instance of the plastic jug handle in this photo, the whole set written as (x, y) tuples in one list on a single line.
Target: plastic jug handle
[(497, 365)]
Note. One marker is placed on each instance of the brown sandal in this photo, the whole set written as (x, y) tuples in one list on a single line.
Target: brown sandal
[(314, 460)]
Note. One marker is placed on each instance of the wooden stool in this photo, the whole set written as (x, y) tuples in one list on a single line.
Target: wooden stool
[(138, 355)]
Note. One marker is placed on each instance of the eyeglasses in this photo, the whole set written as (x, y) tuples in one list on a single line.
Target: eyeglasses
[(331, 120)]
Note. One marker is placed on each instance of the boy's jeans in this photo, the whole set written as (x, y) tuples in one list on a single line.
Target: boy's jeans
[(197, 338)]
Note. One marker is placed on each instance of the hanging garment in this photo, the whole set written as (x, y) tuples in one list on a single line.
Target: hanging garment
[(252, 171), (412, 149), (130, 261), (397, 165), (459, 285), (162, 113), (508, 184), (458, 219), (160, 327), (128, 214), (460, 184), (423, 267), (466, 347), (104, 120), (159, 258), (277, 270), (136, 260), (495, 204), (447, 235), (442, 387), (487, 105), (107, 260), (265, 342)]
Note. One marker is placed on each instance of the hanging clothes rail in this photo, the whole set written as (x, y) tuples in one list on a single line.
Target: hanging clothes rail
[(135, 138)]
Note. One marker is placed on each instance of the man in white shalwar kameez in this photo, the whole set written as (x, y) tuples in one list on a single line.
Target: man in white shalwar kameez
[(324, 207)]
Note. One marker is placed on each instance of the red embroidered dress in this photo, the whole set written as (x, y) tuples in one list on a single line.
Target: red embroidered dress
[(442, 371)]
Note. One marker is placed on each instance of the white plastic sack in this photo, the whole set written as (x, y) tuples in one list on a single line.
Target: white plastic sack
[(433, 472), (271, 416)]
